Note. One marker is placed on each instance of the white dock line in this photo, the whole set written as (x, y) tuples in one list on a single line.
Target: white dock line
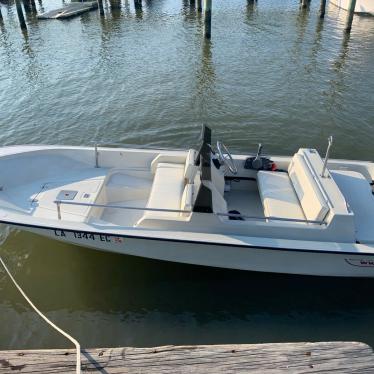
[(75, 342)]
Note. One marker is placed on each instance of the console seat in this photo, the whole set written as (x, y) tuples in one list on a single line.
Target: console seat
[(296, 194), (278, 197), (172, 187)]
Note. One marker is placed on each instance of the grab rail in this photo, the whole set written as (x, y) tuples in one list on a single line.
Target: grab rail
[(234, 215), (270, 218), (96, 146), (59, 202)]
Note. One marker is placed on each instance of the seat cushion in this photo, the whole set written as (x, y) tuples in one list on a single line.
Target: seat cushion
[(167, 189), (358, 193), (186, 202), (278, 196), (313, 203), (190, 169)]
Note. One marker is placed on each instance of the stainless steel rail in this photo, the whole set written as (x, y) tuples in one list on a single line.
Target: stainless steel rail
[(234, 215), (270, 218), (126, 146), (60, 202)]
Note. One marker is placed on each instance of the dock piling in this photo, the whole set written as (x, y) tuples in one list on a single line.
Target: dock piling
[(20, 14), (322, 9), (138, 4), (351, 12), (304, 3), (207, 18), (1, 16), (100, 6), (199, 6)]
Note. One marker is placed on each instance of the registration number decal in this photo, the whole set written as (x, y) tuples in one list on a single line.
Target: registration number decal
[(89, 236), (362, 262)]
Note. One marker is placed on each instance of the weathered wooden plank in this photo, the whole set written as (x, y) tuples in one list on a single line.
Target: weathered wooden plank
[(326, 357)]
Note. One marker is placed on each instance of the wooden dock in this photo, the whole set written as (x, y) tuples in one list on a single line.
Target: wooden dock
[(70, 10), (325, 357)]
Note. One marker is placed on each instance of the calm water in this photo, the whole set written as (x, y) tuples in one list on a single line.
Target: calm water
[(271, 73)]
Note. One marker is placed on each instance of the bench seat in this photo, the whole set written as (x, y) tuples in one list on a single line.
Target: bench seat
[(278, 197), (167, 190), (358, 193)]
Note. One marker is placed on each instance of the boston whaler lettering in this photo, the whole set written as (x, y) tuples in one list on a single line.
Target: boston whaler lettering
[(298, 215)]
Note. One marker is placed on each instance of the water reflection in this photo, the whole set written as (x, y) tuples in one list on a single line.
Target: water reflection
[(189, 11), (339, 63), (318, 37), (115, 4), (336, 84), (41, 7), (206, 77), (251, 9), (302, 20)]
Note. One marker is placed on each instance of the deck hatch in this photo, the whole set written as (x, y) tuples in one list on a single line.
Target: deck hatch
[(67, 195)]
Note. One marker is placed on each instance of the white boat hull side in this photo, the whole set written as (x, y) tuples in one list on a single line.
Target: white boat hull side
[(362, 6), (274, 260)]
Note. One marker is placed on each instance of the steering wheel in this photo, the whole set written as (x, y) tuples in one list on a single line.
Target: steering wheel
[(226, 158)]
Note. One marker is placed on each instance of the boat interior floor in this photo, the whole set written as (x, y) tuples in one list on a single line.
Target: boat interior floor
[(244, 198)]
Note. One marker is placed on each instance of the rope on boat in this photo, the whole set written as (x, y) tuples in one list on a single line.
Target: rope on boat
[(75, 342)]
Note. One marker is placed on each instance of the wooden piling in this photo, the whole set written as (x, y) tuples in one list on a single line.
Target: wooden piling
[(322, 9), (304, 3), (138, 4), (1, 16), (351, 12), (20, 14), (199, 6), (100, 6), (207, 18), (324, 357)]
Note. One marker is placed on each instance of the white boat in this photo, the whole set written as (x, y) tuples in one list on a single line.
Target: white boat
[(299, 214), (362, 6)]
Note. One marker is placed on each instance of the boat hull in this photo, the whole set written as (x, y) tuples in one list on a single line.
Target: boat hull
[(250, 258), (362, 6)]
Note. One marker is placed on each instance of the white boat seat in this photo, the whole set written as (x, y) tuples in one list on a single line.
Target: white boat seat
[(278, 196), (190, 169), (167, 189), (166, 159), (303, 178), (358, 194)]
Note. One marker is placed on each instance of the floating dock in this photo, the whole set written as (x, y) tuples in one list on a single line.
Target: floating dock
[(325, 357), (70, 10)]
